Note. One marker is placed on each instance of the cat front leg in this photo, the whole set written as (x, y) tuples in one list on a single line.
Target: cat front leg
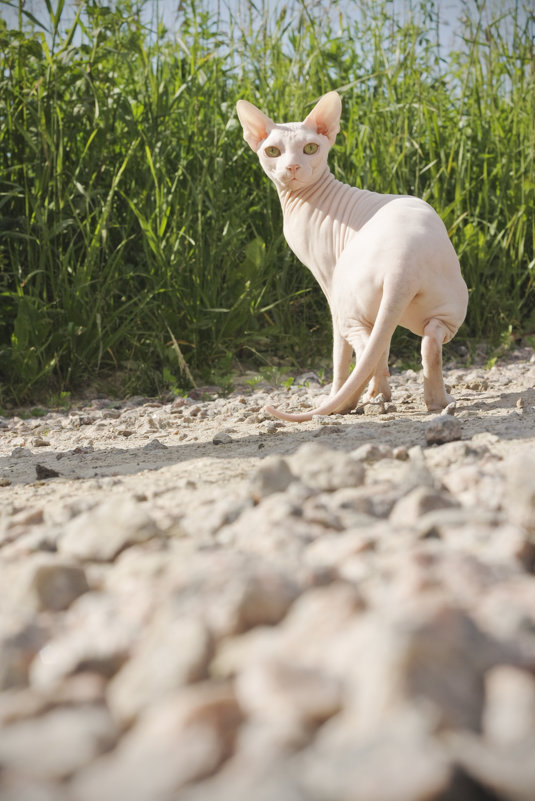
[(342, 352)]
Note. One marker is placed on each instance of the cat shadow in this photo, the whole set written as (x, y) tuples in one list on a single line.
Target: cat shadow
[(503, 400), (342, 432)]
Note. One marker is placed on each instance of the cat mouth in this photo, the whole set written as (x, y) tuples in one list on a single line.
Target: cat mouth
[(291, 179)]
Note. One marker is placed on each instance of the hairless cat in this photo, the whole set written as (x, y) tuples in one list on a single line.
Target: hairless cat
[(381, 260)]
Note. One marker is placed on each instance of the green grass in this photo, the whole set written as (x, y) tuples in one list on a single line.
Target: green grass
[(138, 236)]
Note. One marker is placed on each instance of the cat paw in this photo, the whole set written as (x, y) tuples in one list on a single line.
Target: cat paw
[(379, 386), (437, 404), (377, 394)]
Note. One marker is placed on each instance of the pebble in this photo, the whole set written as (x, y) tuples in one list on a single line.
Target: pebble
[(43, 472), (100, 534), (96, 636), (154, 445), (375, 408), (39, 442), (222, 438), (173, 653), (19, 452), (372, 452), (509, 714), (181, 740), (327, 430), (57, 744), (441, 429), (52, 585), (20, 642), (325, 469), (273, 690), (520, 478), (418, 502), (273, 475), (272, 426)]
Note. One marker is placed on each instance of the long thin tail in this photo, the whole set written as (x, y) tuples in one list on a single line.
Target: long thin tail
[(395, 300)]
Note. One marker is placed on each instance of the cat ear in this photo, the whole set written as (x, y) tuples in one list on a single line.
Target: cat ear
[(325, 116), (256, 125)]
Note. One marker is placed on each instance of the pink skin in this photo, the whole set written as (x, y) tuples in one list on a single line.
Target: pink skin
[(381, 260)]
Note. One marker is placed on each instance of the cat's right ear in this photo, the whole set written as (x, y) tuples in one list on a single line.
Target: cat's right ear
[(256, 125), (325, 116)]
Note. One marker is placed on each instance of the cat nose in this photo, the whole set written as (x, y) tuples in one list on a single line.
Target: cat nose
[(292, 168)]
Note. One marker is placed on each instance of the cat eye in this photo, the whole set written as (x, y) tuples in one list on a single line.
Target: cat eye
[(311, 148), (272, 151)]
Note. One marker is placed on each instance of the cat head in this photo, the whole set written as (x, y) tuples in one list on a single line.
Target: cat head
[(293, 154)]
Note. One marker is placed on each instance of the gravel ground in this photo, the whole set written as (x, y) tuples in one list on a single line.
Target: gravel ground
[(202, 603)]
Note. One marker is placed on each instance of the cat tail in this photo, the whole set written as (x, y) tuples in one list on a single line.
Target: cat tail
[(396, 297)]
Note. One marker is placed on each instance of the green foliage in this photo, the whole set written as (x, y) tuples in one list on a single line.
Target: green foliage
[(137, 234)]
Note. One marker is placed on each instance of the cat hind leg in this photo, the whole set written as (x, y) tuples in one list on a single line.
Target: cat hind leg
[(342, 353), (394, 300), (379, 384), (379, 381), (435, 395)]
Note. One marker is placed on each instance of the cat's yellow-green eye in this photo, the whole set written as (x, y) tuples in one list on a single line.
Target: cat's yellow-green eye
[(272, 151), (311, 148)]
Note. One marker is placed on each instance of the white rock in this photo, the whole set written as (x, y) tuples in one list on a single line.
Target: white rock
[(520, 480), (272, 475), (58, 743), (280, 691), (326, 469), (20, 641), (97, 635), (173, 652), (103, 532), (397, 766), (250, 776), (372, 452), (508, 772), (222, 438), (18, 788), (443, 428), (181, 740), (51, 583), (433, 656), (509, 715), (418, 502)]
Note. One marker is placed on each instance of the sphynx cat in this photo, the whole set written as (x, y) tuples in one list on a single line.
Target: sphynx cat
[(381, 260)]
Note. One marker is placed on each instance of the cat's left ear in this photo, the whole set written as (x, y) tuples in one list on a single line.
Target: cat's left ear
[(256, 125), (325, 116)]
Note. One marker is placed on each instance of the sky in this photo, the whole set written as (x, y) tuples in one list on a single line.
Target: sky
[(450, 11)]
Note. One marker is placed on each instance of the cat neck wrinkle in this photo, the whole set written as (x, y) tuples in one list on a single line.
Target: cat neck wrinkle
[(287, 196), (347, 207), (321, 219)]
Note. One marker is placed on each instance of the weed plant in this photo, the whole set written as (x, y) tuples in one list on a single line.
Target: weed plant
[(137, 233)]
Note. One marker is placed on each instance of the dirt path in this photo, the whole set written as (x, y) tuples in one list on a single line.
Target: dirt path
[(201, 602), (145, 443)]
